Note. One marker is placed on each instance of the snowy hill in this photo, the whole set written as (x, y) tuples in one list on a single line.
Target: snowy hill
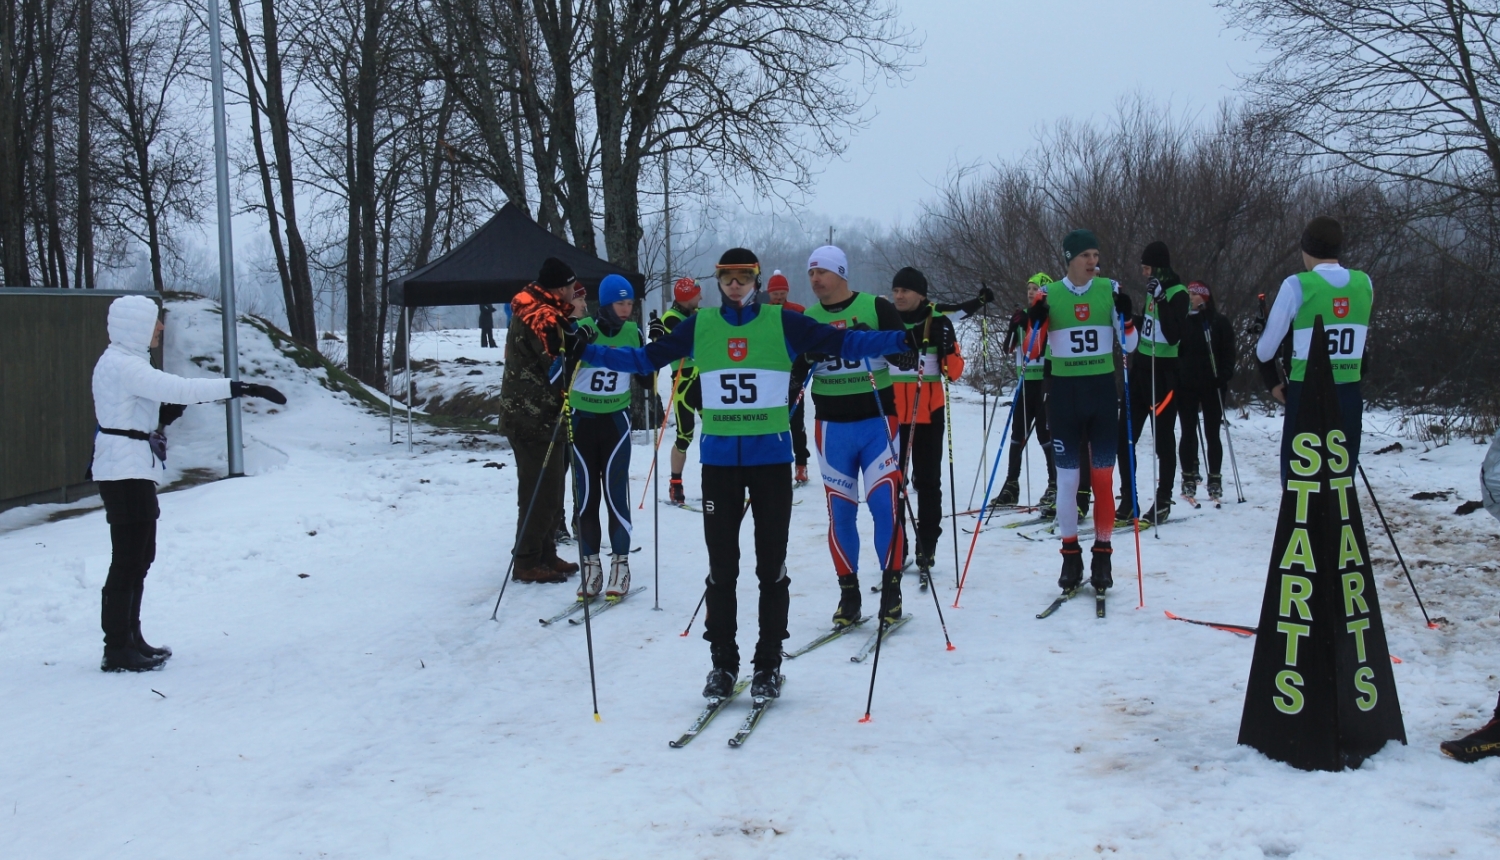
[(338, 689)]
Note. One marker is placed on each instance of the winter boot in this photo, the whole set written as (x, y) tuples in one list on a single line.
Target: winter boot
[(890, 597), (564, 567), (848, 611), (120, 651), (801, 474), (674, 491), (1190, 484), (766, 684), (1101, 573), (1215, 487), (1048, 503), (135, 626), (720, 683), (1072, 567), (1008, 496), (619, 577), (1481, 744), (538, 573), (592, 581)]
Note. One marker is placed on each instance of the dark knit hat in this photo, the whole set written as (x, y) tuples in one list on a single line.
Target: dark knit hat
[(1156, 256), (910, 279), (1077, 242), (1323, 238), (555, 274), (739, 258)]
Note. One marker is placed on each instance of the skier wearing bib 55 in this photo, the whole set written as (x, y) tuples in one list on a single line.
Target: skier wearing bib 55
[(1077, 317), (743, 351)]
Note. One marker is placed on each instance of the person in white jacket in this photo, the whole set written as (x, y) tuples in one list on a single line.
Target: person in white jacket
[(128, 461)]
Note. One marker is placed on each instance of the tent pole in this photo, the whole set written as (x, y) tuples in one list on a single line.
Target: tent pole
[(390, 388), (406, 311)]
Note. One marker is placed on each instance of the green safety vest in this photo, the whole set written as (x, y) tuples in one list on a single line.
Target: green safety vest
[(1032, 368), (1346, 320), (930, 368), (1153, 342), (848, 377), (1081, 329), (599, 389), (745, 373), (686, 365)]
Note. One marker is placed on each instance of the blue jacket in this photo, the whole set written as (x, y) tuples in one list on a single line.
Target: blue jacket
[(803, 334)]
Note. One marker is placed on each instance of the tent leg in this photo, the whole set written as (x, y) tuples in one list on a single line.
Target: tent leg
[(390, 390), (407, 313)]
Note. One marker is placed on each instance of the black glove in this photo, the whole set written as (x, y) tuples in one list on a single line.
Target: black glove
[(1018, 320), (1123, 306), (860, 327), (254, 389), (986, 295), (1155, 288), (819, 357), (904, 360), (945, 343), (1255, 328), (169, 412), (575, 339), (1038, 312), (656, 329)]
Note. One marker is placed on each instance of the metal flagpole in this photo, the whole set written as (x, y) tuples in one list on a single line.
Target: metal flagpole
[(226, 246), (406, 311)]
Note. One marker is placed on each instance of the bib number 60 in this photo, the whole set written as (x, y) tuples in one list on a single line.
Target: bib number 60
[(738, 388)]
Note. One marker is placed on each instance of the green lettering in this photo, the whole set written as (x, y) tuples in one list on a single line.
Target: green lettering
[(1358, 628), (1349, 549), (1299, 551), (1295, 589), (1362, 677), (1287, 683), (1342, 485), (1292, 631), (1303, 490), (1354, 590), (1339, 461), (1305, 446)]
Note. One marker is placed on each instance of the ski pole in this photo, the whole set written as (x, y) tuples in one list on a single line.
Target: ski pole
[(661, 431), (1392, 537), (1213, 364), (1155, 454), (685, 630), (952, 484), (661, 424), (875, 667), (989, 425), (588, 631), (1135, 507), (990, 485), (526, 520)]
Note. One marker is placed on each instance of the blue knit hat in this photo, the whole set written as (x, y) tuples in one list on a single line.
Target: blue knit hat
[(614, 288)]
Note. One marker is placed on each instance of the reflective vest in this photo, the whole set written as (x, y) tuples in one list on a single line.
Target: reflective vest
[(1346, 320), (599, 389), (1153, 342), (929, 369), (849, 377), (1081, 329), (745, 373), (686, 365)]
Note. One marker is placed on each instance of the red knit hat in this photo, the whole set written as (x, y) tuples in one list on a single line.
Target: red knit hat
[(685, 290), (777, 282), (1198, 288)]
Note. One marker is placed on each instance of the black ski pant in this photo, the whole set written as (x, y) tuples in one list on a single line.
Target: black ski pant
[(925, 443), (1165, 428), (1031, 414), (770, 491), (536, 543), (799, 427), (1351, 421), (486, 337), (131, 510), (1190, 404)]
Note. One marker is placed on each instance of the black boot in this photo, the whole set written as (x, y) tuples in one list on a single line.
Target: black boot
[(766, 683), (1085, 497), (120, 651), (1159, 512), (848, 611), (1481, 744), (1009, 495), (1048, 503), (719, 685), (1101, 572), (135, 625), (890, 596), (1072, 566), (1215, 487)]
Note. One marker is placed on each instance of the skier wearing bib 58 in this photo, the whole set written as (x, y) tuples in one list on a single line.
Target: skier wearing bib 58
[(743, 351), (1031, 410), (1153, 379), (1077, 319)]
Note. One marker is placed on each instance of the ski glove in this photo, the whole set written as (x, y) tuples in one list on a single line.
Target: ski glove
[(578, 337), (1255, 328), (1155, 288), (904, 360), (1038, 311), (255, 389), (986, 295), (1123, 306), (657, 329), (1018, 320), (945, 343), (169, 412)]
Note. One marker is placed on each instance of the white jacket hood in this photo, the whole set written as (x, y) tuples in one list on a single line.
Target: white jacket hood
[(132, 322)]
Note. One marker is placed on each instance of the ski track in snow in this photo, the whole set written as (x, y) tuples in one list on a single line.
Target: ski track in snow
[(372, 709)]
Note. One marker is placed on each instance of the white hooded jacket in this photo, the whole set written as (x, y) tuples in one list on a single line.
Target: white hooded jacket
[(128, 392)]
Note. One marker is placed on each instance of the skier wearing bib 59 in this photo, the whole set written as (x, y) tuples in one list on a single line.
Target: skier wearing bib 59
[(1078, 321), (600, 402), (743, 351)]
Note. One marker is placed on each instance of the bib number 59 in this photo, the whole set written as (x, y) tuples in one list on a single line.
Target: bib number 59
[(738, 388), (1086, 340)]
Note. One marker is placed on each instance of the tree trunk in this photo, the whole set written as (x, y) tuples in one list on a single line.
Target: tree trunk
[(13, 257), (305, 327), (84, 262)]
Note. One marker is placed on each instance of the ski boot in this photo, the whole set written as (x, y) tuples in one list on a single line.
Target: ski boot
[(1216, 488), (801, 477), (720, 683), (925, 561), (848, 611), (674, 491), (619, 577), (1048, 503), (592, 581), (1085, 498), (766, 684), (1190, 484), (890, 597), (1101, 573), (1480, 744), (1158, 513), (1072, 567), (1008, 496)]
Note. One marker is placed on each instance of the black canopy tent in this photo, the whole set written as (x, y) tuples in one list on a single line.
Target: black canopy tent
[(496, 262), (490, 267)]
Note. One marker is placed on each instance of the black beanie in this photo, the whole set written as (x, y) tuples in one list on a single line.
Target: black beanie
[(555, 274), (910, 279), (1156, 256), (739, 257), (1323, 238)]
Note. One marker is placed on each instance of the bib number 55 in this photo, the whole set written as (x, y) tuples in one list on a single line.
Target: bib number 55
[(738, 388)]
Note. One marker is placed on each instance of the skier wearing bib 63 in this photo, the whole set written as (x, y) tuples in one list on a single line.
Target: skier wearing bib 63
[(744, 351)]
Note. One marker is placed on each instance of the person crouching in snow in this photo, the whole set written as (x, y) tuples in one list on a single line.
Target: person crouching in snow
[(130, 398)]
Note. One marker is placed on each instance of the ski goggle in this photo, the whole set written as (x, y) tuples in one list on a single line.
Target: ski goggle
[(737, 276)]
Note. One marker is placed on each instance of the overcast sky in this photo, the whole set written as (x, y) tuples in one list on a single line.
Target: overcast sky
[(994, 72)]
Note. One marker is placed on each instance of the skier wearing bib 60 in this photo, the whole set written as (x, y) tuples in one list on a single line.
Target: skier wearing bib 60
[(600, 403), (1077, 319), (744, 351)]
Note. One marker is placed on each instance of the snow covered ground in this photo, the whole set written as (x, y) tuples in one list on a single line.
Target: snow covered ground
[(338, 689)]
